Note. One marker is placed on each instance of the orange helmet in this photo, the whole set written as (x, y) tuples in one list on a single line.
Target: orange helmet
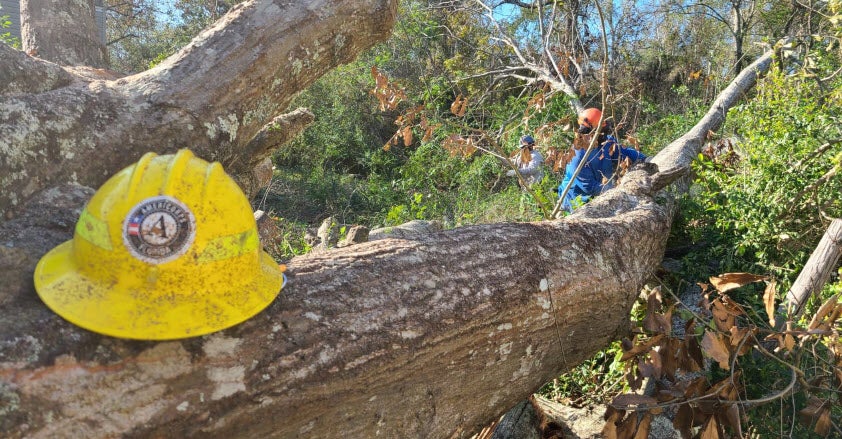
[(590, 117)]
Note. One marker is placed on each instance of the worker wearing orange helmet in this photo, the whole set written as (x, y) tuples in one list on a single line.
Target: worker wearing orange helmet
[(598, 173)]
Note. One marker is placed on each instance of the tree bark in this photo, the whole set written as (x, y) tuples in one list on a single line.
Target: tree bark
[(433, 336), (216, 96), (817, 270), (62, 31)]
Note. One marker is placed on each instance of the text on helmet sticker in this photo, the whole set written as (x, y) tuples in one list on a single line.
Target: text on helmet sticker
[(159, 229)]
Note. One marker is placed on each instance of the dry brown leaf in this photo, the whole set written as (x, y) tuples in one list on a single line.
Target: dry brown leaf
[(392, 141), (582, 141), (722, 319), (407, 135), (642, 348), (740, 339), (826, 308), (669, 351), (538, 102), (625, 164), (769, 301), (563, 159), (667, 393), (713, 344), (776, 337), (388, 95), (725, 388), (428, 134), (731, 416), (454, 106), (459, 106), (683, 421), (729, 281), (644, 427), (651, 368), (627, 344), (711, 430), (655, 322), (458, 145), (695, 388), (690, 358), (816, 413), (789, 342), (725, 312), (823, 424), (612, 420), (628, 427), (634, 378)]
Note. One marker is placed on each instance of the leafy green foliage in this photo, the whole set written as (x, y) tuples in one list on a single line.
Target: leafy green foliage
[(6, 37), (594, 382), (142, 33), (763, 200)]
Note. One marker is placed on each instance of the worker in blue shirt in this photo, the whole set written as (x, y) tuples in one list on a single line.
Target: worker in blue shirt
[(599, 172)]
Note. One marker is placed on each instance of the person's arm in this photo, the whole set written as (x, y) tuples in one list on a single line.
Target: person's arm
[(633, 154), (622, 152)]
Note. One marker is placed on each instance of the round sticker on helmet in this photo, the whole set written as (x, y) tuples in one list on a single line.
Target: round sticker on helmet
[(159, 229)]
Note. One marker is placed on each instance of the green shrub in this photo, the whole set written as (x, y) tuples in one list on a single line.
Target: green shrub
[(764, 206)]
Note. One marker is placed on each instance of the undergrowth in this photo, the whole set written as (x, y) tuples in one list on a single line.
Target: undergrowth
[(764, 192)]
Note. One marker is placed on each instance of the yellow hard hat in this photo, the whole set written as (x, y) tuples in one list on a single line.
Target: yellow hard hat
[(167, 248)]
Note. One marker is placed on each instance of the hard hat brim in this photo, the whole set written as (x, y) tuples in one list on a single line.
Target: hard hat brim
[(138, 314)]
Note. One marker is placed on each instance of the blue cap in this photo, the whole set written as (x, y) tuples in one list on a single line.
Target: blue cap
[(527, 139)]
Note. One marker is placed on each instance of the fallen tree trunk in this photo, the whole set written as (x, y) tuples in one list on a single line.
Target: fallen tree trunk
[(429, 337)]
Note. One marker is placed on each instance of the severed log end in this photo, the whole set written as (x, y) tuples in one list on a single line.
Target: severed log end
[(279, 131), (252, 169)]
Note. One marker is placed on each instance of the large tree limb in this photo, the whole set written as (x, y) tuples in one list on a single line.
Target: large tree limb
[(389, 337), (213, 96), (431, 337), (681, 152)]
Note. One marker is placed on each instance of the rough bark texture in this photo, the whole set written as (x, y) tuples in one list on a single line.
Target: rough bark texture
[(219, 96), (431, 336), (62, 31)]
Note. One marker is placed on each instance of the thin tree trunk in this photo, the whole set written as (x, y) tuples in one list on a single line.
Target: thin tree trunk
[(62, 31), (817, 270)]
